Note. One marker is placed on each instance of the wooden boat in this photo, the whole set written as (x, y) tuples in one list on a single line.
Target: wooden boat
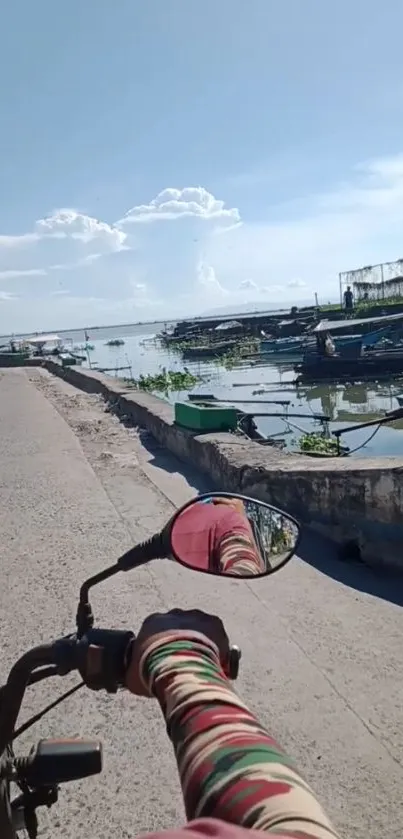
[(277, 346), (299, 346), (115, 342), (209, 350), (370, 366), (352, 360)]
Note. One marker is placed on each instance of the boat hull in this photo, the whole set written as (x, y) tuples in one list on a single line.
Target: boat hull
[(369, 367), (211, 351), (303, 345)]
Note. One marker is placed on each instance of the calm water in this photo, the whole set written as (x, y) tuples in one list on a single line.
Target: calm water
[(346, 404)]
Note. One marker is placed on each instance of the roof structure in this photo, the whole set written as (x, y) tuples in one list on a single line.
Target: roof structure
[(42, 339), (333, 325)]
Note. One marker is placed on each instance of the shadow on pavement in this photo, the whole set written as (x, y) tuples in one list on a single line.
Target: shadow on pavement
[(169, 463), (315, 549), (321, 553)]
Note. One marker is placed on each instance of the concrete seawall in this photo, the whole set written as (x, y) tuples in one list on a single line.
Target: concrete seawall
[(359, 500)]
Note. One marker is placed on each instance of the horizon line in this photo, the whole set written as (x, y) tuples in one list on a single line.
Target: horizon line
[(233, 315)]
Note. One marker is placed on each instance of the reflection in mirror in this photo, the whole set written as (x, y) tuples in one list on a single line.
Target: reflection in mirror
[(234, 536)]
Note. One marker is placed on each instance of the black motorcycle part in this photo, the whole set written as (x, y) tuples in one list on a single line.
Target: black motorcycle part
[(113, 644), (234, 659), (157, 547), (54, 762)]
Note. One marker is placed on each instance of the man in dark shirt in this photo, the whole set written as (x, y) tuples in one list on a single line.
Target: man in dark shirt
[(348, 299)]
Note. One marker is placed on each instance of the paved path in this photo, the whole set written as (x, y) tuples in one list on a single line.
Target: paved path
[(322, 660)]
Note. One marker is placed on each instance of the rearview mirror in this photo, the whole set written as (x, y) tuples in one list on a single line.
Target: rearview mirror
[(233, 535)]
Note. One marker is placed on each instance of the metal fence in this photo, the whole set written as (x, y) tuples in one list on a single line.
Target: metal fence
[(374, 283)]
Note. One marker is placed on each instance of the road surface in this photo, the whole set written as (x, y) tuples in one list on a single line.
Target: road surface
[(322, 660)]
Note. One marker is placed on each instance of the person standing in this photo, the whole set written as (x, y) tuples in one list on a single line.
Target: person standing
[(348, 299)]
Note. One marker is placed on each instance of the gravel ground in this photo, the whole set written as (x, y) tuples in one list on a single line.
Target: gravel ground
[(322, 654)]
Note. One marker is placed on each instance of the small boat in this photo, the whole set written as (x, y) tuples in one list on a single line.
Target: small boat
[(299, 346), (278, 346), (338, 367), (115, 342), (353, 359), (209, 350)]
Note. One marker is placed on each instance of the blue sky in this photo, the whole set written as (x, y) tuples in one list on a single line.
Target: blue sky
[(167, 157)]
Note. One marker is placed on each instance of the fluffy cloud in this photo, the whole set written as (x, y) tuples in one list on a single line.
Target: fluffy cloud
[(62, 240), (64, 224), (165, 258), (296, 284), (248, 285), (191, 202)]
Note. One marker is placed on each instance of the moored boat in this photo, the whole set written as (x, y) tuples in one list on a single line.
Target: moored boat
[(371, 367), (354, 359), (209, 350), (299, 346)]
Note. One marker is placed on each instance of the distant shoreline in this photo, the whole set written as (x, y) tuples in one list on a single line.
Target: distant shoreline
[(232, 316)]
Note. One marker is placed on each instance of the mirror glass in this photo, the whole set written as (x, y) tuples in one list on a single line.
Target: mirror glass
[(233, 536)]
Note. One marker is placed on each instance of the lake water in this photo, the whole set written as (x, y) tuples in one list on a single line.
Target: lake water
[(345, 404)]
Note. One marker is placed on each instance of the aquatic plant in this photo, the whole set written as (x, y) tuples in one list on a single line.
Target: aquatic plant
[(316, 442), (242, 350), (165, 381)]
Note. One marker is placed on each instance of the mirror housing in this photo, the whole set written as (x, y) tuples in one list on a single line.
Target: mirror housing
[(232, 535), (218, 533)]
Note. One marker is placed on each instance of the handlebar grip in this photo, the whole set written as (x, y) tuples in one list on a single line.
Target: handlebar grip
[(73, 654)]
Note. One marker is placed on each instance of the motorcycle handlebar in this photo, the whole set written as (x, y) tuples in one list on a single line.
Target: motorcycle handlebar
[(68, 654), (60, 658), (13, 691)]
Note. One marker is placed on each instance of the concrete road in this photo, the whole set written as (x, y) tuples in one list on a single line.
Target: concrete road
[(322, 660)]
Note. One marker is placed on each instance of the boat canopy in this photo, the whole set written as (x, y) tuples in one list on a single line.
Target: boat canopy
[(42, 339), (232, 324), (332, 325)]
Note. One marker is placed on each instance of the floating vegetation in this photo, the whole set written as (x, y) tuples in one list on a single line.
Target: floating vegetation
[(165, 381), (243, 349), (317, 443)]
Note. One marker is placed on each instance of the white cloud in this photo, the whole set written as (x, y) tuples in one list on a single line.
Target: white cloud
[(11, 274), (5, 295), (249, 285), (296, 284), (64, 240), (208, 281), (11, 242), (66, 223), (173, 203), (359, 222), (181, 266)]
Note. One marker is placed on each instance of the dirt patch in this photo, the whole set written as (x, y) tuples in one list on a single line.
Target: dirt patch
[(103, 438), (144, 482)]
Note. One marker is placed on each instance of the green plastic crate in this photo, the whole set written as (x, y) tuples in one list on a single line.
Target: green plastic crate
[(200, 418), (68, 361)]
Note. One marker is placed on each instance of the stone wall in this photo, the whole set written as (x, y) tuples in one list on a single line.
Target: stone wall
[(348, 499)]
